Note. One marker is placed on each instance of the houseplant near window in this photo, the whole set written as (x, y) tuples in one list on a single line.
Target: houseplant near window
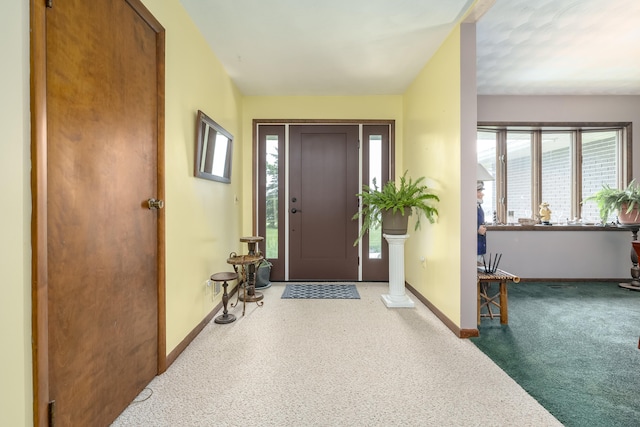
[(395, 200), (626, 202)]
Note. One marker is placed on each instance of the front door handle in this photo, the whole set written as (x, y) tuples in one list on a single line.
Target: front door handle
[(155, 204), (294, 210)]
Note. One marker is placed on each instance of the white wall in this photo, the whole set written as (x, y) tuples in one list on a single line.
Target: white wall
[(468, 118), (556, 253), (15, 217)]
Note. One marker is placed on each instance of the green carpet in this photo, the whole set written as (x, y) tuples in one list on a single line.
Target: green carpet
[(572, 346)]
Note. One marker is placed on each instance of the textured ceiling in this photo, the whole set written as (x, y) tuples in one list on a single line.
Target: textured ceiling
[(559, 47), (370, 47)]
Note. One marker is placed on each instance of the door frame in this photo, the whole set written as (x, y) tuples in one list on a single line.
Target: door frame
[(284, 122), (39, 232)]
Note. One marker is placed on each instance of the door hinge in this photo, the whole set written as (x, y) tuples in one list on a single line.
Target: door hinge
[(52, 413), (49, 3)]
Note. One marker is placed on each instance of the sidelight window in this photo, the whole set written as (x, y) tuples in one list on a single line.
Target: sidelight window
[(375, 178), (271, 196)]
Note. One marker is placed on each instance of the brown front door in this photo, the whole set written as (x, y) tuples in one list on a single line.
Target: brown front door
[(323, 184), (104, 61)]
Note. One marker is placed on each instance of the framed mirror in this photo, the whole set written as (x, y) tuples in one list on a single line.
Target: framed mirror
[(214, 150)]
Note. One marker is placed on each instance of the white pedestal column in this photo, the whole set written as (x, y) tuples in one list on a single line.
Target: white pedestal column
[(396, 296)]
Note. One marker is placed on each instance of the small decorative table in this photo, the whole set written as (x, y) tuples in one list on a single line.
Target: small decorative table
[(252, 243), (247, 278), (499, 300), (224, 277)]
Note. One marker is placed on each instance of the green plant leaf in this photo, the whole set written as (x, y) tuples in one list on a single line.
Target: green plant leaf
[(613, 199), (407, 197)]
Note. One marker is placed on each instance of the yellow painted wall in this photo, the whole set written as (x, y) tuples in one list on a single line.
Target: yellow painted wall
[(203, 219), (15, 217), (432, 149), (313, 107)]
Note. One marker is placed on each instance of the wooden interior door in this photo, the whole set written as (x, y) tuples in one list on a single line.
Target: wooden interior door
[(323, 183), (98, 165)]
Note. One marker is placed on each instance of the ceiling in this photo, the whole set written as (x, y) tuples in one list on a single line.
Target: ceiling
[(378, 47), (559, 47)]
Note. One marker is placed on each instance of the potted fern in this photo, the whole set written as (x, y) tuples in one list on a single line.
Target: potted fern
[(392, 205), (624, 201)]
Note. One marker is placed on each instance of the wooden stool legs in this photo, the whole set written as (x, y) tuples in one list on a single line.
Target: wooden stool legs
[(225, 317), (486, 300)]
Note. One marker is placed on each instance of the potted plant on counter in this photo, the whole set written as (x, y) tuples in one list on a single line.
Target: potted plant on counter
[(392, 205), (623, 201)]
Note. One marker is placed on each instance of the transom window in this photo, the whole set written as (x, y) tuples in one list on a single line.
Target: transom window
[(560, 164)]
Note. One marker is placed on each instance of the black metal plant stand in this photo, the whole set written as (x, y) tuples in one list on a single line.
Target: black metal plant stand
[(634, 285)]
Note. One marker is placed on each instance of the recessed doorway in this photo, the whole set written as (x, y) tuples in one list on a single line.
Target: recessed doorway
[(308, 175)]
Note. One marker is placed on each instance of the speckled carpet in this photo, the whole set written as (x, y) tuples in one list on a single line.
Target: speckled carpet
[(333, 362)]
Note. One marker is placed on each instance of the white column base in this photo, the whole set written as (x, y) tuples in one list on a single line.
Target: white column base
[(396, 298), (397, 302)]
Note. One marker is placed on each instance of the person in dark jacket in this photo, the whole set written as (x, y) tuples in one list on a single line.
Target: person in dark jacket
[(482, 229)]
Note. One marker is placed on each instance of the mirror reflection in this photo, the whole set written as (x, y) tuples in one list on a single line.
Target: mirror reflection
[(214, 149)]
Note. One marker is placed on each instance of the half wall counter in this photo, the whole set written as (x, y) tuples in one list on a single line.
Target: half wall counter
[(555, 252)]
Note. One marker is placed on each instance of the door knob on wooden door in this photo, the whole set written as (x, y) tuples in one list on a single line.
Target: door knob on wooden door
[(155, 204)]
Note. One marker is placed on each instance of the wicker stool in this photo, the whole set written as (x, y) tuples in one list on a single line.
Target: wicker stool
[(224, 277)]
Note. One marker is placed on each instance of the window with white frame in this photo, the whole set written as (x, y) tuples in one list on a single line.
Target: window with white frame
[(560, 164)]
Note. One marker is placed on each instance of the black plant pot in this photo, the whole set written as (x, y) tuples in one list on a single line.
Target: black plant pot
[(395, 223)]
